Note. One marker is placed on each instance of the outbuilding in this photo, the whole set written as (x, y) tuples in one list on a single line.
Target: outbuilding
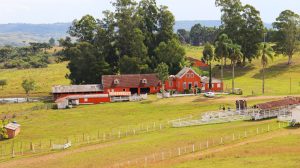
[(12, 129), (217, 85)]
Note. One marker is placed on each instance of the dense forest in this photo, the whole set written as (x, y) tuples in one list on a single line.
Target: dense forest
[(134, 38)]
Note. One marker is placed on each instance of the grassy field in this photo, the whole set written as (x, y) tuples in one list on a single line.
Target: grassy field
[(43, 125), (45, 78), (281, 151)]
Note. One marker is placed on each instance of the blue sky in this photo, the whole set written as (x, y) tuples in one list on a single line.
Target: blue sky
[(51, 11)]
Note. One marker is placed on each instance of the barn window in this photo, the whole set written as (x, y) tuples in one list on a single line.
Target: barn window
[(86, 99), (171, 83), (196, 84), (192, 75), (187, 75), (116, 81), (219, 85), (184, 85), (124, 90), (144, 81)]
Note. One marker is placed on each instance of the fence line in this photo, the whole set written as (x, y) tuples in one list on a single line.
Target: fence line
[(203, 145), (17, 148)]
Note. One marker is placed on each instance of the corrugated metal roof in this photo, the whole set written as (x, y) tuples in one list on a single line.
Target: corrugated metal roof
[(77, 88), (12, 126), (279, 103), (130, 81)]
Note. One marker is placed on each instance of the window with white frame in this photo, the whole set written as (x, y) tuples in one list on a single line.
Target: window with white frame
[(184, 85), (171, 83), (196, 84), (86, 99), (219, 85), (192, 75)]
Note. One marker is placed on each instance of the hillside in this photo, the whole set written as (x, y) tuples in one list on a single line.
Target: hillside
[(17, 33)]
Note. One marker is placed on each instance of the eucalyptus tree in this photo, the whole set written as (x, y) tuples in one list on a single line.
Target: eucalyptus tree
[(222, 51), (208, 56), (265, 53), (235, 54), (288, 32)]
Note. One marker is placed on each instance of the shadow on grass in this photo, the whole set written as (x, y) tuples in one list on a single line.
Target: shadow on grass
[(273, 71), (239, 71)]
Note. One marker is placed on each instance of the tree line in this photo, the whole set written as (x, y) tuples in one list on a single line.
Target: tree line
[(134, 38), (32, 56), (243, 37)]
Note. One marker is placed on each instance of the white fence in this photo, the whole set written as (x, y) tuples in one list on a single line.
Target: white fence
[(229, 116)]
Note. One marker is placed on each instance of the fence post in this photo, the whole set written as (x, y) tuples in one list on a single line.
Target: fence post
[(133, 131), (221, 140), (245, 134), (103, 137), (279, 125), (179, 152), (98, 134), (162, 156), (12, 149), (32, 147), (207, 144), (233, 138), (83, 137), (268, 127), (160, 127), (147, 128), (193, 148), (257, 130), (146, 160), (119, 134)]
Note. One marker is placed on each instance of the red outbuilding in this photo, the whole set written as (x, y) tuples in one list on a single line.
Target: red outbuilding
[(217, 85), (134, 83), (12, 130), (197, 63)]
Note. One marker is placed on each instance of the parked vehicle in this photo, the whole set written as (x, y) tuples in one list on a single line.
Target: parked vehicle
[(209, 94)]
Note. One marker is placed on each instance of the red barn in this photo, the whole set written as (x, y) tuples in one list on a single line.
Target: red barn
[(186, 79), (134, 83)]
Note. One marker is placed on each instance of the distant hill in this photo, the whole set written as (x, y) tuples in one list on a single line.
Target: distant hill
[(18, 34)]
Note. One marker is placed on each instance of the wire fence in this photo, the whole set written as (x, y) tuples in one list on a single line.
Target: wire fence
[(17, 148), (197, 147)]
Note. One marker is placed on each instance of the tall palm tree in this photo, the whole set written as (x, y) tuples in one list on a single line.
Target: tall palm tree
[(208, 56), (235, 54), (222, 51), (265, 53)]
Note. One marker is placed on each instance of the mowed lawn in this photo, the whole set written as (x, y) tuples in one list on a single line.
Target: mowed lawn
[(45, 78)]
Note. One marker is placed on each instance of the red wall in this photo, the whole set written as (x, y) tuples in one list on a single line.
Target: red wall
[(12, 133), (61, 95), (187, 78), (215, 87), (94, 100), (153, 89)]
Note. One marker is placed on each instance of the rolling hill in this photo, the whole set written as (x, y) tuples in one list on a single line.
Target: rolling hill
[(18, 34)]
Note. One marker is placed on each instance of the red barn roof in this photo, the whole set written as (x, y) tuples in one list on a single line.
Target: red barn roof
[(197, 62), (130, 81), (279, 103)]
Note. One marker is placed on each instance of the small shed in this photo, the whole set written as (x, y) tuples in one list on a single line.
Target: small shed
[(12, 129)]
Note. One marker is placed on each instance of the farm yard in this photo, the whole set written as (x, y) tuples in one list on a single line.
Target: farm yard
[(41, 126)]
